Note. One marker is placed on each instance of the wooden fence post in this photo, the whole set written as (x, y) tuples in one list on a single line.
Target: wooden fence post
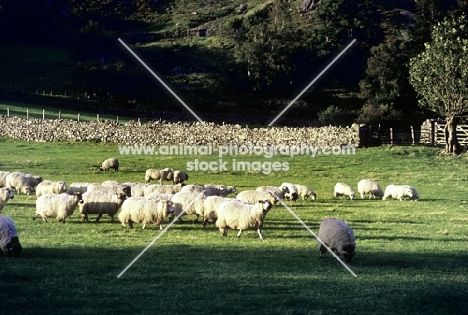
[(412, 135), (78, 117), (97, 117), (27, 114), (391, 135), (43, 114), (59, 115), (8, 112)]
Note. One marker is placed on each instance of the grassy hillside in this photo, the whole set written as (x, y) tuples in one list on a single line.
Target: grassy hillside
[(411, 259)]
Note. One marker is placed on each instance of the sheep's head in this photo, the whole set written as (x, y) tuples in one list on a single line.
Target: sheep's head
[(9, 193), (14, 247), (347, 251)]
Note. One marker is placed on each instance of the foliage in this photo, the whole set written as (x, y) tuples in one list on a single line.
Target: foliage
[(375, 114), (439, 74), (264, 42), (334, 116)]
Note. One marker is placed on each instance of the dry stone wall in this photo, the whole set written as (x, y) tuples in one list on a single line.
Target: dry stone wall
[(180, 133)]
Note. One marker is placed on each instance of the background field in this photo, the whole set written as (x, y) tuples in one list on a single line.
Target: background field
[(412, 256)]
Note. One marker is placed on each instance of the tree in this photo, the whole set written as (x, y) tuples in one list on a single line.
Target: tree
[(264, 42), (439, 75), (385, 87)]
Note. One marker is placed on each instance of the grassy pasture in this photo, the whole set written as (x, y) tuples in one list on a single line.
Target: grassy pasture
[(412, 256)]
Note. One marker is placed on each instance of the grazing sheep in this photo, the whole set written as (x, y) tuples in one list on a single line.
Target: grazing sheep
[(292, 194), (209, 189), (182, 201), (56, 205), (192, 188), (214, 190), (111, 189), (159, 196), (305, 192), (400, 192), (78, 187), (210, 208), (163, 189), (138, 189), (238, 215), (280, 191), (110, 183), (33, 180), (252, 196), (110, 163), (371, 187), (342, 189), (166, 174), (50, 187), (97, 202), (22, 182), (339, 236), (9, 241), (180, 177), (144, 210), (229, 190), (3, 176), (6, 194)]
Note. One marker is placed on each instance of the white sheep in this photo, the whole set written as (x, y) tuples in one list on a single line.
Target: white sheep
[(50, 187), (159, 196), (210, 208), (305, 192), (9, 241), (280, 191), (110, 163), (57, 206), (3, 176), (342, 189), (111, 189), (191, 203), (166, 174), (214, 190), (144, 210), (180, 177), (100, 203), (338, 236), (371, 187), (239, 215), (78, 187), (164, 189), (192, 188), (6, 193), (138, 189), (292, 194), (400, 192), (252, 196), (111, 183), (22, 182)]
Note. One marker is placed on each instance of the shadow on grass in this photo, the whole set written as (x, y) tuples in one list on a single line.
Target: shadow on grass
[(245, 277)]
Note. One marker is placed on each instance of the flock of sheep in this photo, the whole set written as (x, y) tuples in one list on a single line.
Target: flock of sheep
[(147, 203)]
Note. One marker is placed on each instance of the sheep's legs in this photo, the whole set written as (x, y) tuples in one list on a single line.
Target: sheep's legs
[(239, 234), (260, 234)]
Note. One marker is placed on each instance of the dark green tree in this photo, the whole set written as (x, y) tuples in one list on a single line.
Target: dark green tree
[(439, 74), (264, 42)]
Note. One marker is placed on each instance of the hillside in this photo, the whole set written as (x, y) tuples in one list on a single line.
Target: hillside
[(242, 58)]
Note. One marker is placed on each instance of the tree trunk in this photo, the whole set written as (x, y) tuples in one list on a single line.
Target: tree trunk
[(452, 147)]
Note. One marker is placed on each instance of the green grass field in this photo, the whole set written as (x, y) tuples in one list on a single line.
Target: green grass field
[(412, 257)]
